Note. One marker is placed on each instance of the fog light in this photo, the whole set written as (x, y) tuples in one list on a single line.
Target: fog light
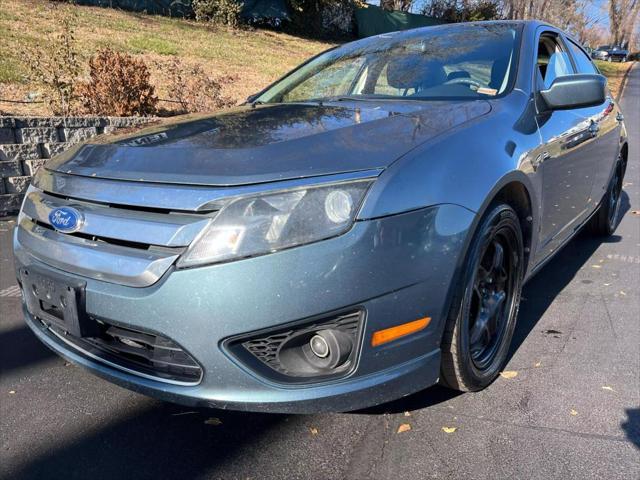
[(328, 349), (319, 346)]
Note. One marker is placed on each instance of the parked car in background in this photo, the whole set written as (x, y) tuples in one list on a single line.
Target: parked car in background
[(600, 53), (358, 231), (611, 53)]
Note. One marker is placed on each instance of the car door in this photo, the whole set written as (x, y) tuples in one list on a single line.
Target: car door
[(570, 150), (609, 118)]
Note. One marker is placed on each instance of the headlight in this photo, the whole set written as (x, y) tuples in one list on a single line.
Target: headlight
[(266, 223)]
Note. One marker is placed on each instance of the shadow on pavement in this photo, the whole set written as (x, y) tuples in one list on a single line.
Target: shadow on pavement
[(632, 426), (19, 348), (161, 441)]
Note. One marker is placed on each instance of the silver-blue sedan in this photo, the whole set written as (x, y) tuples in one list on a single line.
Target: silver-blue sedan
[(358, 231)]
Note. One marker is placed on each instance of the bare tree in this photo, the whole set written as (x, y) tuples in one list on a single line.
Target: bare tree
[(623, 19), (402, 5)]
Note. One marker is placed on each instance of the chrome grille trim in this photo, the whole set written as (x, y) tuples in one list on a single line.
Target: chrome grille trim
[(168, 230), (165, 196), (112, 263)]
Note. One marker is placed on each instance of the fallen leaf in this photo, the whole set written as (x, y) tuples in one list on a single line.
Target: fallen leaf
[(607, 284), (405, 427), (313, 430), (509, 374), (449, 429), (407, 414), (215, 421), (537, 364), (635, 212), (606, 387), (12, 392), (622, 292), (573, 412), (596, 266)]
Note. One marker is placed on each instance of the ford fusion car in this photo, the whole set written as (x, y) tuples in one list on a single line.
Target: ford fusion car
[(356, 232)]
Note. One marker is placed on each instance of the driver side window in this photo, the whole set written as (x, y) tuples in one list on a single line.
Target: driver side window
[(552, 62)]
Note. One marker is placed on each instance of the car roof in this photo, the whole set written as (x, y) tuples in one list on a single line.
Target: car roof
[(400, 34)]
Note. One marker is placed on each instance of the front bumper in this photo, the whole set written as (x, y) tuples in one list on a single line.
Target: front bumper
[(397, 269)]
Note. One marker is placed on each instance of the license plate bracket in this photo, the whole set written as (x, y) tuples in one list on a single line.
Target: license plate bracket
[(57, 300)]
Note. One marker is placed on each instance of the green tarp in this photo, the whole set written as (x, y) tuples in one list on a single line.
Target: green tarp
[(373, 20)]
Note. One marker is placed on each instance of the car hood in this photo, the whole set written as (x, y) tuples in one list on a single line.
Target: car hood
[(268, 143)]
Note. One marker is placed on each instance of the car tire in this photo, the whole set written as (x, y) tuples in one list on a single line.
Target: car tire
[(483, 313), (605, 221)]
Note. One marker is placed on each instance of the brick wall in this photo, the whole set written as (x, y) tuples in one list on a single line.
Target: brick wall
[(27, 142)]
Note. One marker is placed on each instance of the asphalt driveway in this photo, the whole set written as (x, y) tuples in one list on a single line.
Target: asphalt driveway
[(571, 408)]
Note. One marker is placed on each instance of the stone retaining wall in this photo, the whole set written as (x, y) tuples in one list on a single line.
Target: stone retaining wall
[(27, 142)]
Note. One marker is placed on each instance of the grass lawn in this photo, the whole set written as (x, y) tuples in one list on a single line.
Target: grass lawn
[(615, 73), (256, 57)]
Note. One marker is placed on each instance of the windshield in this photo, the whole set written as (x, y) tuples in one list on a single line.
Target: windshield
[(448, 62)]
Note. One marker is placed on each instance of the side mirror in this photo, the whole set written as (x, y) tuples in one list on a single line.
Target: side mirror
[(575, 91), (251, 98)]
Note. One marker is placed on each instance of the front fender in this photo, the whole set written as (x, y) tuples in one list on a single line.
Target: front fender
[(465, 166)]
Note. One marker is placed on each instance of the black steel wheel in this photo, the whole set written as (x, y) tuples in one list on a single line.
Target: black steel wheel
[(483, 314), (605, 220)]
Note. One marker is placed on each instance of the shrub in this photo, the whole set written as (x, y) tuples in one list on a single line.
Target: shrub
[(119, 85), (56, 67), (224, 12), (324, 18), (338, 17), (193, 89)]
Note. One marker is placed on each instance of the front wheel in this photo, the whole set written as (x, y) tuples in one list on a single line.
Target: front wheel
[(483, 313)]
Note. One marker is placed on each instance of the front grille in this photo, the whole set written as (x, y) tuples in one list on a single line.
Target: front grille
[(131, 246), (139, 352)]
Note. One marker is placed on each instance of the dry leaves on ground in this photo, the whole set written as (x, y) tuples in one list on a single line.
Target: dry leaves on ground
[(405, 427)]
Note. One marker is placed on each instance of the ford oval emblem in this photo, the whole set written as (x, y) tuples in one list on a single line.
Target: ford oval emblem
[(66, 219)]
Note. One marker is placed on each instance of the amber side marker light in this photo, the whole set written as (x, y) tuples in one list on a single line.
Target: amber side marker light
[(389, 334)]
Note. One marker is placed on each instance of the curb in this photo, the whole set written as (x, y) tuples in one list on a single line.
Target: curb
[(623, 84)]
